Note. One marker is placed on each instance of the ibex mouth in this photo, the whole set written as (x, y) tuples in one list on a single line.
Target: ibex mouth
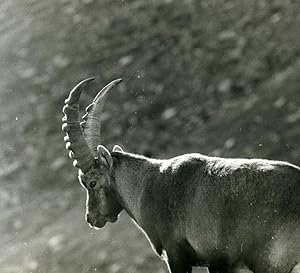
[(100, 222), (112, 218), (97, 224)]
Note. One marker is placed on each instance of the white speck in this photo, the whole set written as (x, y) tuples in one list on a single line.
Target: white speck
[(139, 76), (17, 118)]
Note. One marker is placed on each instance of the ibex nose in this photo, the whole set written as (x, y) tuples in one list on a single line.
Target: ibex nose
[(89, 218), (94, 221)]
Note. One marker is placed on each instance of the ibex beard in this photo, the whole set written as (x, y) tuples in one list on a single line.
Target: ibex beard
[(231, 215)]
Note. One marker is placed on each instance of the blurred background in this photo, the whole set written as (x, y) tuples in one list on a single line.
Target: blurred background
[(219, 77)]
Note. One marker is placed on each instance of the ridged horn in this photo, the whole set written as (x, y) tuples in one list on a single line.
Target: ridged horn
[(91, 124), (75, 141)]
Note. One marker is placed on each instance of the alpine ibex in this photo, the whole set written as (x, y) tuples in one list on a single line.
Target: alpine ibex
[(227, 214)]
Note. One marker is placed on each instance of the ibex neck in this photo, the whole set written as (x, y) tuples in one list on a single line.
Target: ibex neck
[(131, 174)]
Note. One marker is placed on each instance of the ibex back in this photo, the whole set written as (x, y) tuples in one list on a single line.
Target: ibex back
[(231, 215)]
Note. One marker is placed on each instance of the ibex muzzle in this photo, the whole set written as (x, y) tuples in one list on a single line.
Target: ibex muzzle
[(101, 204), (231, 215)]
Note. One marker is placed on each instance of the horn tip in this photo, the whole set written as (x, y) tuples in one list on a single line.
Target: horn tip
[(115, 82), (89, 79), (78, 88), (105, 89), (84, 82)]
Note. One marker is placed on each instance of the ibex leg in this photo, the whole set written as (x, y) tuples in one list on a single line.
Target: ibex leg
[(178, 262), (230, 269), (242, 270)]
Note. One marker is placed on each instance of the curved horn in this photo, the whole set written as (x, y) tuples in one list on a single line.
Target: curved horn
[(75, 141), (91, 120)]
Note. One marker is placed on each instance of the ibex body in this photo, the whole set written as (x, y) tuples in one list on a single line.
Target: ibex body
[(227, 214)]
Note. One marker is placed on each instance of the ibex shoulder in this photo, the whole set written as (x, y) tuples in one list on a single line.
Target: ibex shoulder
[(224, 166)]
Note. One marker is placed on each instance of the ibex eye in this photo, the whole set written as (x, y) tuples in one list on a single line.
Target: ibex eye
[(93, 184)]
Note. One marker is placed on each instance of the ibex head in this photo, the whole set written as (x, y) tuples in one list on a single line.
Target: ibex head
[(94, 161)]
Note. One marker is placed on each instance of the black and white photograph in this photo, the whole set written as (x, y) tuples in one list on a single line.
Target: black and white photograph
[(158, 136)]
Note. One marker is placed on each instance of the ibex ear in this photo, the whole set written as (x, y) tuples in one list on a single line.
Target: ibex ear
[(117, 148), (104, 156)]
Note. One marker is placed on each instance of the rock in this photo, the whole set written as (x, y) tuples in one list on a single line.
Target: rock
[(229, 143), (224, 86), (56, 242), (292, 118), (61, 61), (169, 113), (125, 60)]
